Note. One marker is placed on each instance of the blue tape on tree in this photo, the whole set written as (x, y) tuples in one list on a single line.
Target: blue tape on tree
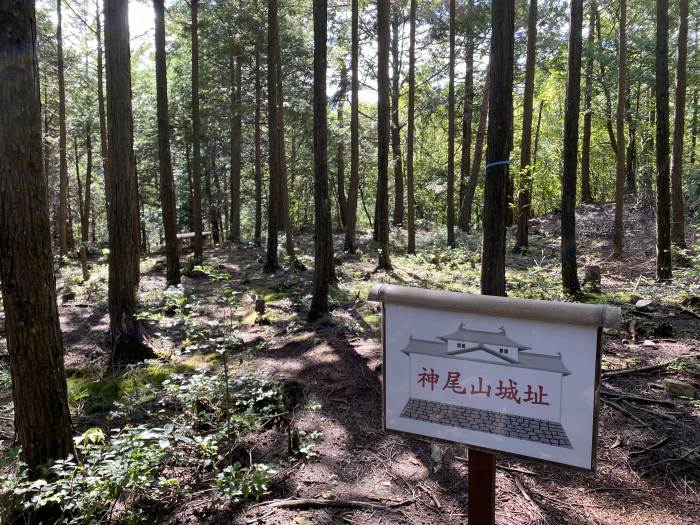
[(497, 163)]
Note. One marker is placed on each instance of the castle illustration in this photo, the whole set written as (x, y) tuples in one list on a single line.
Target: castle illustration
[(486, 365)]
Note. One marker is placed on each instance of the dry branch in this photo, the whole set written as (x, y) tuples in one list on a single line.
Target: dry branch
[(305, 503), (644, 369)]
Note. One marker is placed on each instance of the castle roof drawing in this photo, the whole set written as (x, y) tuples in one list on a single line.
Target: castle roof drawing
[(525, 358), (481, 337)]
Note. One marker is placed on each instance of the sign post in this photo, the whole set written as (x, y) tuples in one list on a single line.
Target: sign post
[(501, 375)]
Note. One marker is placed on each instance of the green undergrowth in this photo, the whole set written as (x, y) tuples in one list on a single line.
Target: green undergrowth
[(191, 442)]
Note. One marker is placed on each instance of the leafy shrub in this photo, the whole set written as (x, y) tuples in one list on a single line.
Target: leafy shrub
[(236, 482)]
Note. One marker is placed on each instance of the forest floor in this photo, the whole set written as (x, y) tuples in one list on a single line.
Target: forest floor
[(322, 437)]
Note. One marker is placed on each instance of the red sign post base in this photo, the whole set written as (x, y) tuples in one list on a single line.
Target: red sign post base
[(481, 502)]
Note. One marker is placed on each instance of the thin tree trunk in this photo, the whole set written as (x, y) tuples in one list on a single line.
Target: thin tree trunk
[(451, 133), (526, 169), (466, 208), (383, 121), (678, 218), (694, 128), (618, 228), (395, 124), (467, 118), (631, 155), (42, 418), (664, 270), (493, 270), (340, 145), (534, 154), (586, 194), (258, 151), (101, 109), (351, 218), (190, 186), (569, 274), (285, 218), (271, 262), (124, 222), (63, 162), (167, 182), (196, 136), (606, 89), (411, 132), (235, 216), (323, 260), (87, 203)]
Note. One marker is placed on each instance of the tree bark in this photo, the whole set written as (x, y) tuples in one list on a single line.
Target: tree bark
[(411, 132), (451, 133), (271, 262), (569, 274), (618, 228), (526, 168), (467, 117), (664, 270), (42, 418), (631, 156), (235, 184), (395, 124), (124, 221), (196, 137), (323, 259), (493, 269), (468, 200), (383, 124), (167, 182), (586, 194), (678, 218), (63, 162), (351, 219)]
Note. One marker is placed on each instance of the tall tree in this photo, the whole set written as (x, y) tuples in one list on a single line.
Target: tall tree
[(569, 274), (526, 167), (664, 269), (196, 137), (42, 418), (678, 218), (411, 132), (235, 128), (395, 121), (351, 218), (493, 273), (482, 465), (586, 194), (124, 211), (383, 121), (467, 116), (451, 133), (620, 173), (322, 218), (273, 202), (63, 162), (258, 150), (340, 144), (694, 128), (101, 105), (470, 188), (167, 182)]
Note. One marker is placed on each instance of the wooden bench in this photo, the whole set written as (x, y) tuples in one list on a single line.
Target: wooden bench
[(206, 238)]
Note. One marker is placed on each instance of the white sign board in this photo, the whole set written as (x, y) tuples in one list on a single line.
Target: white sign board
[(512, 385)]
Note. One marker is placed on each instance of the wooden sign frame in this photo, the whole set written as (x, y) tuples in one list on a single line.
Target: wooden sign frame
[(543, 311)]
